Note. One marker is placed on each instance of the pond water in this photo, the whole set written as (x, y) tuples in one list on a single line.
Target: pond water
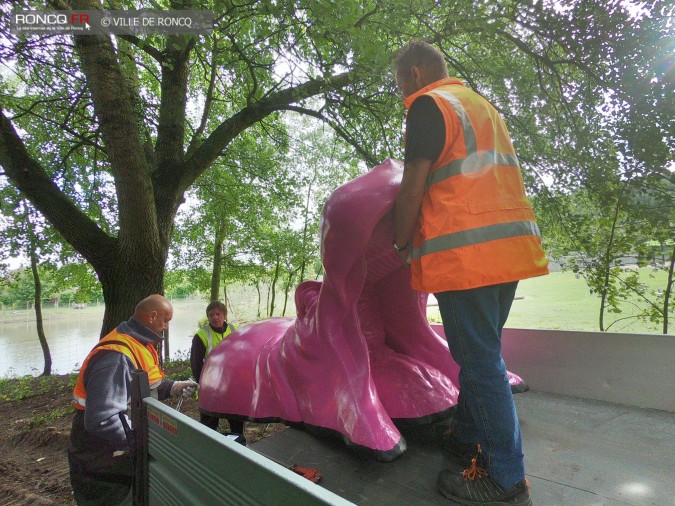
[(71, 333)]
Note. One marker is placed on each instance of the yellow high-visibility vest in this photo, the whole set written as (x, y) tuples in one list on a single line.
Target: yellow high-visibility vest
[(211, 338)]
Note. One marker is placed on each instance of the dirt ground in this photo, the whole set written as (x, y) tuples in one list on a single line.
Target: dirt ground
[(34, 436)]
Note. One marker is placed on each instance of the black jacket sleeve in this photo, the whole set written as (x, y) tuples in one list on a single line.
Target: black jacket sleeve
[(197, 354), (164, 389)]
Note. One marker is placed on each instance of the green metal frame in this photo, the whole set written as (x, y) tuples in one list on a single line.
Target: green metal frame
[(181, 462)]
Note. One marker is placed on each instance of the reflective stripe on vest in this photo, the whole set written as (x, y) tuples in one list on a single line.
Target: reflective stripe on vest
[(206, 334), (472, 164), (473, 161), (143, 357), (475, 236)]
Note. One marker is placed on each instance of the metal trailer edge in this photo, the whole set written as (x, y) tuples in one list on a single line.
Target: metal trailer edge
[(180, 462)]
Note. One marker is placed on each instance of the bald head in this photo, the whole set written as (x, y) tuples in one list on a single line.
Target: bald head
[(154, 312)]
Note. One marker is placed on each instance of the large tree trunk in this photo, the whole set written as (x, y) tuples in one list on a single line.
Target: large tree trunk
[(150, 185), (126, 283)]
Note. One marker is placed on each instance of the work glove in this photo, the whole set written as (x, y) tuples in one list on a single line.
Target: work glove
[(185, 388)]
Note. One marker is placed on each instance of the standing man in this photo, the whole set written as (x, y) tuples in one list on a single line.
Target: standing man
[(463, 222), (102, 440), (206, 338)]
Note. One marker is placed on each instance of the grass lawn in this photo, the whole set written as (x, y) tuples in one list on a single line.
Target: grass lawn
[(560, 301)]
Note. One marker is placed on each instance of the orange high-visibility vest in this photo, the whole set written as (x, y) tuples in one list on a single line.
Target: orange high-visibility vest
[(144, 357), (476, 226)]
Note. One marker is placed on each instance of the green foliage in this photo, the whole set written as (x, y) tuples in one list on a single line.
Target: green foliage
[(562, 301), (178, 367), (265, 208), (595, 234), (181, 283), (69, 283), (25, 387), (48, 418), (77, 282), (18, 287)]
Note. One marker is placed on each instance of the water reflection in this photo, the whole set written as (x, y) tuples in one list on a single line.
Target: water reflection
[(71, 333)]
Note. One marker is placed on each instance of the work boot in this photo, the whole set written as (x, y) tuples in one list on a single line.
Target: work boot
[(460, 454), (473, 486)]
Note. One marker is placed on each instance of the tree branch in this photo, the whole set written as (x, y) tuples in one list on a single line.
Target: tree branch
[(367, 157), (200, 158), (32, 180), (209, 95), (143, 45), (171, 127), (120, 133)]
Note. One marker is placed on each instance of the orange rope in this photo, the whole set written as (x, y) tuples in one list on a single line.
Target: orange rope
[(474, 471)]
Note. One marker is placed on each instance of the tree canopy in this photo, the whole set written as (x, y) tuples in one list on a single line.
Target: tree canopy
[(107, 136)]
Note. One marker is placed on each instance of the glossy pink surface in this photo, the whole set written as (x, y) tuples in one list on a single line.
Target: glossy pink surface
[(360, 352)]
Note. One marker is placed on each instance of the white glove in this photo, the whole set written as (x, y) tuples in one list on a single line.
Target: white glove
[(185, 388)]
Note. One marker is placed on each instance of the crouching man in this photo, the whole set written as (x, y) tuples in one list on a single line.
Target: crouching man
[(101, 440)]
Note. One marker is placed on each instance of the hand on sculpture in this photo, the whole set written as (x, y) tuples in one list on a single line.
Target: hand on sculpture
[(404, 256), (185, 388)]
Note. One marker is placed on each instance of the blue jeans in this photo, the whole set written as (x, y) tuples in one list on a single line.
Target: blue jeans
[(473, 321)]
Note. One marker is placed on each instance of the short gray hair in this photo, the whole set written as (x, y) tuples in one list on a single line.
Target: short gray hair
[(420, 52)]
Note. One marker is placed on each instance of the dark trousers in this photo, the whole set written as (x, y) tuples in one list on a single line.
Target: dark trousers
[(486, 414), (96, 476), (110, 486)]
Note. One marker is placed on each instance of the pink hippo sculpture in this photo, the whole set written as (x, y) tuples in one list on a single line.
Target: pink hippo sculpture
[(360, 359)]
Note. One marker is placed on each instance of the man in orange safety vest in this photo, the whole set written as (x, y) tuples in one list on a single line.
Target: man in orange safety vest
[(102, 439), (464, 224)]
